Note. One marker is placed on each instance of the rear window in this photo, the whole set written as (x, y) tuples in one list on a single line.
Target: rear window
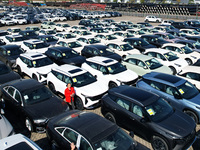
[(20, 146)]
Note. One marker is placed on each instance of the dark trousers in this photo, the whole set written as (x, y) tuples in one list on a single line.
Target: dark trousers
[(72, 104)]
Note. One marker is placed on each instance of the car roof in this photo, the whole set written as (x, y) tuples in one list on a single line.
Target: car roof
[(139, 56), (8, 47), (45, 36), (164, 78), (46, 29), (34, 41), (33, 55), (158, 50), (150, 35), (186, 41), (102, 60), (87, 37), (69, 70), (97, 46), (88, 124), (174, 44), (136, 39), (137, 95), (14, 36), (61, 48), (194, 37)]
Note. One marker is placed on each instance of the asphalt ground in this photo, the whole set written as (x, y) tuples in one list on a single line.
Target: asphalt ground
[(41, 139)]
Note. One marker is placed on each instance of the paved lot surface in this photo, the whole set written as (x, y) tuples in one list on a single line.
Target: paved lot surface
[(41, 139)]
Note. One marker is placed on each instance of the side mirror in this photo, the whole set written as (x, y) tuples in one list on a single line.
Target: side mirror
[(2, 112), (131, 134)]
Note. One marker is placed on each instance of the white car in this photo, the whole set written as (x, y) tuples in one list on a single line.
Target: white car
[(152, 19), (121, 35), (51, 18), (62, 27), (71, 43), (19, 20), (6, 128), (110, 71), (47, 32), (60, 18), (183, 52), (35, 46), (84, 40), (106, 38), (14, 31), (122, 48), (7, 21), (167, 22), (137, 32), (17, 142), (65, 35), (13, 39), (190, 32), (89, 90), (192, 74), (35, 65), (167, 58)]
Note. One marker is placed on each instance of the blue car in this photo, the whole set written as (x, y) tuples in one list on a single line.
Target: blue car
[(194, 45), (179, 93)]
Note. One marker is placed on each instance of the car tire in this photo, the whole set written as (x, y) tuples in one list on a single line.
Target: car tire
[(78, 103), (19, 71), (52, 87), (28, 124), (159, 143), (192, 115), (112, 85), (189, 61), (157, 21), (110, 117), (173, 70), (35, 77), (146, 20)]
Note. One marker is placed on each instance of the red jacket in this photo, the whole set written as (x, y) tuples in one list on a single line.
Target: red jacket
[(68, 93)]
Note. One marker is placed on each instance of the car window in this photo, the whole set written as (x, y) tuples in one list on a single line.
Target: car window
[(93, 65), (152, 54), (123, 103), (132, 61), (157, 85), (138, 110), (141, 64), (70, 135), (84, 145), (160, 56), (60, 130), (11, 91), (193, 76), (66, 79), (103, 69), (18, 96), (58, 75), (171, 90)]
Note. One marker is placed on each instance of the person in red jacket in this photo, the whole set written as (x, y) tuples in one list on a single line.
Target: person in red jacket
[(69, 95)]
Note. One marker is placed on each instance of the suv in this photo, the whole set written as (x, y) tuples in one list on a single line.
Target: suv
[(35, 65), (150, 117), (14, 39), (180, 93), (110, 71), (152, 19), (88, 89)]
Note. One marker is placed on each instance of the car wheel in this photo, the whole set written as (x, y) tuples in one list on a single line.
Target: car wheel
[(192, 115), (159, 143), (52, 87), (173, 70), (35, 77), (110, 117), (78, 103), (146, 20), (157, 21), (112, 85), (19, 71), (189, 61), (28, 124)]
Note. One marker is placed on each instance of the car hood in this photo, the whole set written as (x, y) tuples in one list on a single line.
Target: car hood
[(9, 77), (5, 127), (46, 109), (114, 56), (163, 69), (149, 46), (125, 76), (91, 90), (45, 69), (178, 124)]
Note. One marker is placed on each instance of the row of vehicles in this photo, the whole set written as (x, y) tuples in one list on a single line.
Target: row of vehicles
[(137, 73)]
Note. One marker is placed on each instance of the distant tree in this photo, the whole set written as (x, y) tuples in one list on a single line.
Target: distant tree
[(142, 1)]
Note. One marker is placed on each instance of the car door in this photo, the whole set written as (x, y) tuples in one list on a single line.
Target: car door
[(26, 66), (58, 82)]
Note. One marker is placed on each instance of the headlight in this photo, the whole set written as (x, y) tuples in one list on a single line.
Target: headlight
[(38, 121), (194, 57), (178, 65)]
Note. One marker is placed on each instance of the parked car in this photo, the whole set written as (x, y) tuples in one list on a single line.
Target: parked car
[(150, 117), (49, 39), (64, 55), (179, 93), (14, 31), (84, 83), (190, 32), (14, 39), (34, 28), (142, 64), (99, 50), (182, 25), (195, 46), (31, 101), (48, 25), (85, 40), (167, 22), (17, 142), (9, 54), (62, 27), (66, 128), (28, 34), (152, 19), (19, 20), (7, 21)]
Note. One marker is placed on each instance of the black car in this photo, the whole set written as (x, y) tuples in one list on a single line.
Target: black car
[(195, 38), (9, 54), (28, 34), (154, 40), (150, 117), (49, 39), (3, 33), (31, 19), (64, 55), (40, 18), (139, 44), (194, 45), (99, 50), (146, 24), (32, 101), (2, 42), (87, 131), (98, 30), (6, 74), (182, 25), (124, 27), (193, 23)]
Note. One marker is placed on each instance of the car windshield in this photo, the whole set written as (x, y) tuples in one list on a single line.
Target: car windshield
[(86, 33), (116, 68), (94, 40), (83, 79), (38, 45), (110, 37), (197, 45), (74, 44), (142, 43), (51, 32), (42, 62), (51, 39), (117, 29), (67, 36), (187, 90), (126, 47), (36, 29), (15, 51), (186, 50), (4, 69), (70, 54), (153, 63), (37, 95), (65, 25), (170, 36), (170, 56), (195, 32), (3, 33), (118, 140), (159, 110), (16, 30)]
